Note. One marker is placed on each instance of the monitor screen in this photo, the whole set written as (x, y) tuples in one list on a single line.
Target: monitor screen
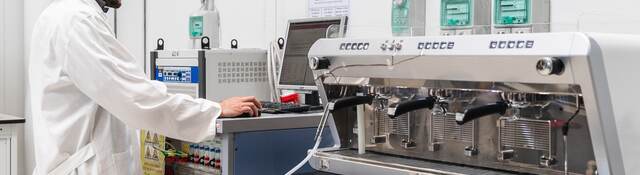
[(295, 71)]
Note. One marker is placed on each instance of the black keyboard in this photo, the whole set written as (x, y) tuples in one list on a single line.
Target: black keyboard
[(279, 108)]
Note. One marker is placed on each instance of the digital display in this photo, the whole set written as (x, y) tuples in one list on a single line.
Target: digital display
[(455, 13), (510, 12), (177, 74)]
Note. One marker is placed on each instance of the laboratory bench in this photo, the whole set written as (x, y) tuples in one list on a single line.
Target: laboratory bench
[(11, 132), (269, 144), (268, 122)]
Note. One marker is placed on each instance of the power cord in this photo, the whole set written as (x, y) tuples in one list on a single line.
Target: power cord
[(171, 151), (273, 62), (330, 72), (565, 132), (317, 139)]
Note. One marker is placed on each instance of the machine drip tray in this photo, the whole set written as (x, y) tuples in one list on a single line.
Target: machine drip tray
[(348, 161)]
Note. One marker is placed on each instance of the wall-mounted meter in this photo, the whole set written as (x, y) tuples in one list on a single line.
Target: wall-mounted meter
[(465, 17), (408, 17), (205, 23), (520, 16)]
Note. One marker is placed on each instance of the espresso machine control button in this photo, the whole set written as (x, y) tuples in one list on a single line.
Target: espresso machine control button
[(317, 63), (550, 66)]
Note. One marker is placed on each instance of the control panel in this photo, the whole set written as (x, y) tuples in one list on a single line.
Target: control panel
[(520, 16), (354, 46), (177, 74), (392, 45)]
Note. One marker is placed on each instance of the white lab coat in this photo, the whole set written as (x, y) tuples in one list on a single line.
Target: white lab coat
[(86, 90)]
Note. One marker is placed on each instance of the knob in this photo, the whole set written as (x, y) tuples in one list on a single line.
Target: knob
[(398, 46), (550, 66), (383, 46), (317, 63)]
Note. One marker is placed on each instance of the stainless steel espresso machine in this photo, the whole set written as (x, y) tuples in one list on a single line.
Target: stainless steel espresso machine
[(553, 103)]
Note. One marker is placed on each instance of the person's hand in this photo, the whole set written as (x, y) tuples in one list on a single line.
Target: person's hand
[(237, 106)]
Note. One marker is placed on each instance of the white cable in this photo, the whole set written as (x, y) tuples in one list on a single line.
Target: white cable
[(306, 159), (277, 63), (318, 137), (272, 61), (270, 70)]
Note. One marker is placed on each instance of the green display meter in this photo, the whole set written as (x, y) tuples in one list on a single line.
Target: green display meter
[(455, 13), (408, 17), (196, 26), (400, 17), (512, 12)]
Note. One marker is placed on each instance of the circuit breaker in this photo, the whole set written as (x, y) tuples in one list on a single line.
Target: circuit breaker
[(465, 17), (521, 16)]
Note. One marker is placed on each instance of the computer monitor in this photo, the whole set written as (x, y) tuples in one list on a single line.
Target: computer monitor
[(295, 73)]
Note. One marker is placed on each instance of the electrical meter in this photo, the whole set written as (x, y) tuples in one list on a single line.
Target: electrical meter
[(456, 13), (408, 17), (511, 12), (205, 23), (463, 17), (520, 16)]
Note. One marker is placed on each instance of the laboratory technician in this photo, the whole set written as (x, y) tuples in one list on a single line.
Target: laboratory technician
[(88, 96)]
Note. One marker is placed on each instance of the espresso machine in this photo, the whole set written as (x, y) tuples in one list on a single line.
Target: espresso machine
[(550, 103)]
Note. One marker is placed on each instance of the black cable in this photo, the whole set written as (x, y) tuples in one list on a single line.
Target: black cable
[(565, 127), (565, 132)]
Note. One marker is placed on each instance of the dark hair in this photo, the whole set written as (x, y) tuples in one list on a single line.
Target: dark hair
[(113, 3)]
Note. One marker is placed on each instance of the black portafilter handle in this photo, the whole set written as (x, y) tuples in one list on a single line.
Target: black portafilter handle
[(412, 105), (481, 111), (350, 101)]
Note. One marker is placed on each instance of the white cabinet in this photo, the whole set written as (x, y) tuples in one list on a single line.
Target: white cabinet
[(5, 155), (11, 146)]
